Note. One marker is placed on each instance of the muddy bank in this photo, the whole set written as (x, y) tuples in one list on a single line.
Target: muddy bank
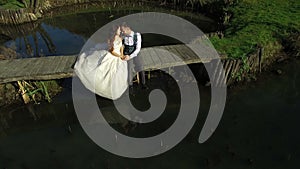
[(17, 16), (54, 7), (292, 44), (29, 91), (39, 8), (7, 53), (34, 11)]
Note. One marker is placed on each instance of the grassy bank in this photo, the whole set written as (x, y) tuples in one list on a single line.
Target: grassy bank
[(258, 23)]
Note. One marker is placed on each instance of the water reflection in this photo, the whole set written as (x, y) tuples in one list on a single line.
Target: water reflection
[(43, 40), (65, 35)]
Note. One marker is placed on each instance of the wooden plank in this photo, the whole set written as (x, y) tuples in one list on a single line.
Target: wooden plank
[(190, 53), (182, 49), (49, 65), (216, 67), (220, 74), (171, 56), (226, 69), (38, 69), (234, 65), (70, 63), (206, 52), (54, 67), (157, 61), (36, 66), (60, 62), (191, 56), (4, 68), (179, 49), (175, 54), (61, 66), (229, 70), (147, 61), (166, 59), (17, 66)]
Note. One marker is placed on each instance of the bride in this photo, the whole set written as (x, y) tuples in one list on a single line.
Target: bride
[(103, 71)]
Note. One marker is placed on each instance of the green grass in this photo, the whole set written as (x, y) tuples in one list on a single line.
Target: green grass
[(257, 22)]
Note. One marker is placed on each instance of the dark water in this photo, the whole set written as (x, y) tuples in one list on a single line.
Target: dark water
[(65, 35), (259, 129)]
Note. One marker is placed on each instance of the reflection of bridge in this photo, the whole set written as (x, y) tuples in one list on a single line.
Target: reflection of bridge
[(46, 68)]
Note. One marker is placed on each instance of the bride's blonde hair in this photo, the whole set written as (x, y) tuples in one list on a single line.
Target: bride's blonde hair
[(112, 36)]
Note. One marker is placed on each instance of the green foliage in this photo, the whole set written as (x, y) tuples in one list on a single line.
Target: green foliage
[(43, 89), (12, 4), (2, 2), (39, 90), (257, 22), (245, 68), (201, 2)]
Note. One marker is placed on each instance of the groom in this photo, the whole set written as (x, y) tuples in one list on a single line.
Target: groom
[(132, 42)]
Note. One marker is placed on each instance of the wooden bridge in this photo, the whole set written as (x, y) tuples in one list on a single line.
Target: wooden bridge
[(57, 67)]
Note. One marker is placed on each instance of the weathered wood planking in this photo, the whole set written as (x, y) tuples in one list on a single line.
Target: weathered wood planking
[(43, 68), (57, 67)]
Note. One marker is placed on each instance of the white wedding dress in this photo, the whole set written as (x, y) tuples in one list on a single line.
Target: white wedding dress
[(103, 73)]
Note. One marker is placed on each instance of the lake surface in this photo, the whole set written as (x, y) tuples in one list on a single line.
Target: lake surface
[(259, 129), (65, 35)]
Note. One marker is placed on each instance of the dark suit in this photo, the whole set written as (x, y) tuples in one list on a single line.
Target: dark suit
[(132, 46)]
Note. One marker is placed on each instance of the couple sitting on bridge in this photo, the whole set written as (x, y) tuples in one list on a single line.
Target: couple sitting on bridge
[(109, 72)]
